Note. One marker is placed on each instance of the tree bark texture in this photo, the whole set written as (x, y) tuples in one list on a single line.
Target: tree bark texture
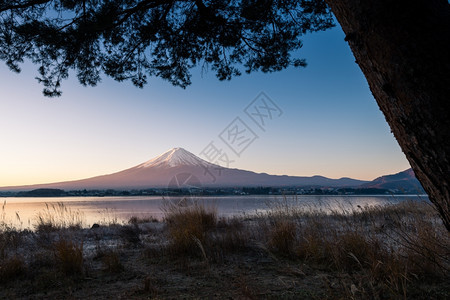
[(403, 49)]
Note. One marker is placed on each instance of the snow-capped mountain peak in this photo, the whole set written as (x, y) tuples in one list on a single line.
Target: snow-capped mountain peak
[(180, 168), (173, 158)]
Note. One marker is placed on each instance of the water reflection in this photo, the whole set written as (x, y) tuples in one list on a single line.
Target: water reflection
[(22, 212)]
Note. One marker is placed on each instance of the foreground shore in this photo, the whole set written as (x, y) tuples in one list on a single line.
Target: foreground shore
[(392, 252)]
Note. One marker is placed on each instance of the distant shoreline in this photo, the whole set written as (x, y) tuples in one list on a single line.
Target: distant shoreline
[(263, 191)]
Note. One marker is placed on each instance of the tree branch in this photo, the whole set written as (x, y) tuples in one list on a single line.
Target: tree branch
[(23, 5), (144, 5)]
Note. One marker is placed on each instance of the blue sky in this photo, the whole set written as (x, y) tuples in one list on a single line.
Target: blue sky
[(330, 124)]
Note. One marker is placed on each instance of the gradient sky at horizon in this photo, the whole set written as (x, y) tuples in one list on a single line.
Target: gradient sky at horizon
[(330, 125)]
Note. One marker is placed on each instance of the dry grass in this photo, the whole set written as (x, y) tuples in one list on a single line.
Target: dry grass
[(3, 223), (188, 224), (69, 256), (231, 235), (10, 239), (142, 220), (150, 287), (377, 250), (130, 234), (109, 217), (12, 268), (385, 250), (58, 216), (349, 242), (111, 261), (282, 236), (392, 252)]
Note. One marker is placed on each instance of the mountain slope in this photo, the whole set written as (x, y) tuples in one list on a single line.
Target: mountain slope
[(404, 181), (180, 168)]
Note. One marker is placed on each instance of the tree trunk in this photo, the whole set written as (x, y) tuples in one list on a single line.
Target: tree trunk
[(403, 49)]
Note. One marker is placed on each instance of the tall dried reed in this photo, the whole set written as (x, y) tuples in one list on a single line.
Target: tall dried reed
[(58, 216)]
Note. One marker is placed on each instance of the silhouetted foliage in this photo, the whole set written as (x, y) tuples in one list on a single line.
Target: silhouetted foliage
[(130, 40)]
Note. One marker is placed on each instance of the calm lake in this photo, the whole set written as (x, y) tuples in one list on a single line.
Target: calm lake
[(22, 212)]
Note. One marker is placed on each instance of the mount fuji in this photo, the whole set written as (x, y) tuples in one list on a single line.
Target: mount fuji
[(178, 168)]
